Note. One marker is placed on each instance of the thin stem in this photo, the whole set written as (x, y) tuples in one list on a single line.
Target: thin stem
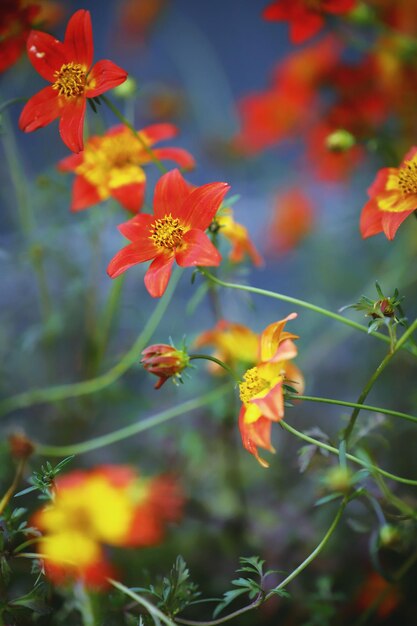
[(301, 303), (151, 608), (9, 493), (351, 457), (132, 429), (93, 385), (364, 407), (222, 364), (214, 622), (385, 361), (138, 136)]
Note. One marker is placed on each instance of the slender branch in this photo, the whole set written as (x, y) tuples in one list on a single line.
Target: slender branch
[(93, 385), (301, 303), (222, 364), (132, 429), (151, 608), (214, 622), (9, 493), (351, 457), (364, 407)]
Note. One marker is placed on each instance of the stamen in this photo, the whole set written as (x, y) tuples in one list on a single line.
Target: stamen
[(70, 80), (253, 384), (167, 232), (407, 178)]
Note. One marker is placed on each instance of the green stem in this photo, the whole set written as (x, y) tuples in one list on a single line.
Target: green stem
[(138, 136), (351, 457), (364, 407), (300, 303), (385, 361), (132, 429), (84, 605), (93, 385), (151, 608), (222, 364)]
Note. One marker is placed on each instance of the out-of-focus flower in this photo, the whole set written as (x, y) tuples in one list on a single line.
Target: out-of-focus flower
[(292, 221), (21, 447), (50, 13), (111, 165), (306, 17), (233, 343), (378, 591), (137, 17), (261, 391), (165, 361), (16, 21), (110, 505), (68, 67), (393, 197), (175, 232), (238, 236)]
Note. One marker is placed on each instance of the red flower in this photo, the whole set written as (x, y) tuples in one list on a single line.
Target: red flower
[(16, 21), (293, 219), (393, 197), (175, 232), (305, 16), (67, 66)]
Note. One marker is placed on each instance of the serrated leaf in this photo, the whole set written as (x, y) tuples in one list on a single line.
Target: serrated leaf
[(280, 592), (229, 596)]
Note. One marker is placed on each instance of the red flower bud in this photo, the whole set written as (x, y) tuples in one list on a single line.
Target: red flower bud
[(165, 361)]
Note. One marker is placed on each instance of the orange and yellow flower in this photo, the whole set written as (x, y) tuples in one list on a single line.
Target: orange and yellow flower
[(111, 165), (261, 390), (238, 236), (67, 65), (175, 232), (233, 343), (393, 197), (109, 505)]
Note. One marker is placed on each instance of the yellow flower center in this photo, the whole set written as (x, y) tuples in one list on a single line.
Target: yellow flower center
[(167, 232), (252, 384), (70, 80), (407, 177)]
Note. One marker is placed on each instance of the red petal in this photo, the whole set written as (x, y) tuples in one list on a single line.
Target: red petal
[(306, 27), (84, 194), (129, 256), (275, 12), (104, 75), (70, 163), (380, 181), (46, 54), (202, 205), (71, 125), (158, 275), (40, 111), (256, 434), (392, 221), (271, 405), (159, 132), (198, 250), (171, 191), (370, 221), (180, 156), (130, 196), (137, 229), (339, 6), (79, 38)]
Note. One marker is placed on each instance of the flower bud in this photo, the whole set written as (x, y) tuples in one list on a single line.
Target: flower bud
[(340, 140), (20, 446), (338, 478), (389, 536), (165, 361)]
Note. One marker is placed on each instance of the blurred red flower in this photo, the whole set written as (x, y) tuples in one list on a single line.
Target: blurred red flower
[(292, 220), (306, 17), (67, 66), (175, 232), (16, 21)]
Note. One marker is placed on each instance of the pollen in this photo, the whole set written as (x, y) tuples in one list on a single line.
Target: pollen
[(167, 232), (407, 178), (252, 384), (70, 80)]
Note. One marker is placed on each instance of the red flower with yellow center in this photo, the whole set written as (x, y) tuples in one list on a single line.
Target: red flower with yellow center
[(393, 197), (109, 505), (305, 16), (261, 391), (67, 65), (111, 165), (175, 232)]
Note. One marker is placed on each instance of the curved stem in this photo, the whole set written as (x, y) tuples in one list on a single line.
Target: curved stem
[(364, 407), (300, 303), (222, 364), (132, 429), (351, 457), (138, 136), (151, 608), (93, 385), (375, 376)]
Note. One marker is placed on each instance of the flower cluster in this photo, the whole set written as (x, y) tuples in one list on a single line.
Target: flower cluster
[(109, 505)]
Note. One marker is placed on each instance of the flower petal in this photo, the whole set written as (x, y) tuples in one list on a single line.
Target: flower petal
[(370, 220), (158, 132), (79, 38), (197, 250), (170, 193), (255, 434), (84, 194), (71, 124), (130, 196), (180, 156), (271, 405), (306, 27), (271, 337), (40, 111), (127, 257), (137, 229), (202, 204), (158, 275), (46, 54), (70, 163), (392, 221), (104, 75)]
